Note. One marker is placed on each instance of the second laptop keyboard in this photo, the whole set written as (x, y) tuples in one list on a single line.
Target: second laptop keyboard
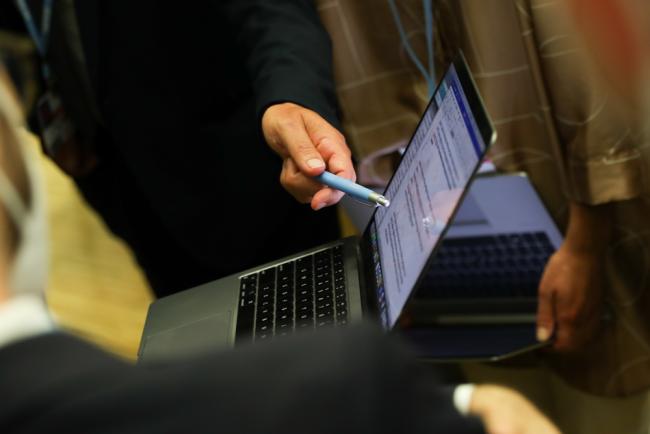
[(306, 293), (505, 265)]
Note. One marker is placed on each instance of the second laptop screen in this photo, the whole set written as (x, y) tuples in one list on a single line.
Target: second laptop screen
[(424, 192)]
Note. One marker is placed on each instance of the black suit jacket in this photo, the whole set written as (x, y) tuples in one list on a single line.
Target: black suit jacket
[(181, 87), (353, 382)]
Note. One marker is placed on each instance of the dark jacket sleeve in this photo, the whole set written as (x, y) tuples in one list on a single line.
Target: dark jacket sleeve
[(345, 381), (287, 52)]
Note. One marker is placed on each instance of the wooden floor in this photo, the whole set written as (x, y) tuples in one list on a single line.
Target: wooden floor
[(95, 289)]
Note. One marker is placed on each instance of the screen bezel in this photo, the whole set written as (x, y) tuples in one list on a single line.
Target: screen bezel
[(488, 135)]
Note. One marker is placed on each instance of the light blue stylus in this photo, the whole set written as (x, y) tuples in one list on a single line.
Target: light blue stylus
[(353, 189)]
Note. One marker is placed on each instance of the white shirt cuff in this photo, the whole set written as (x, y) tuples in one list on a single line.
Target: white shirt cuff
[(463, 398)]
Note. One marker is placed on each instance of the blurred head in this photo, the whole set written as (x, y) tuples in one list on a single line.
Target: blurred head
[(13, 169), (617, 32), (22, 224)]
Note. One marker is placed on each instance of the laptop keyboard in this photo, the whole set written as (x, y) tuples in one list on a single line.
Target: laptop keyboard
[(508, 265), (306, 293)]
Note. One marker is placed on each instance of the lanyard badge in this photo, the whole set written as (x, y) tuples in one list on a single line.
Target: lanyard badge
[(57, 131)]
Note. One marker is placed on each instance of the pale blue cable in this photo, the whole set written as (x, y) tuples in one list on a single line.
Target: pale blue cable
[(406, 43)]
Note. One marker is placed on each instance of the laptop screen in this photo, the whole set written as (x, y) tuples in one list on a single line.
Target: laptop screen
[(425, 190)]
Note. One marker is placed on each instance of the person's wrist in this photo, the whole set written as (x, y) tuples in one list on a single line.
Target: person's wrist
[(590, 230), (588, 249)]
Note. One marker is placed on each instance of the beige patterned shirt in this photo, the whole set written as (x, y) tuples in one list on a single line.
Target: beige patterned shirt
[(555, 119)]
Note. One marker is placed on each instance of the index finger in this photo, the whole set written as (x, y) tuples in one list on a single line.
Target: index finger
[(328, 140), (338, 159)]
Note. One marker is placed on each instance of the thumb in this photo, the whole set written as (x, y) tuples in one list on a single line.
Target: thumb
[(545, 310)]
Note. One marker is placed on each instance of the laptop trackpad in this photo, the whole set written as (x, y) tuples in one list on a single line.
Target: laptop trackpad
[(205, 334)]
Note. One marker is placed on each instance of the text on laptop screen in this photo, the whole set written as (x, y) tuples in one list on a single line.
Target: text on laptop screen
[(424, 192)]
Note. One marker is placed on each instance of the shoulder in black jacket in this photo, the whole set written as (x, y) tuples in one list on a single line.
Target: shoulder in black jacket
[(354, 382)]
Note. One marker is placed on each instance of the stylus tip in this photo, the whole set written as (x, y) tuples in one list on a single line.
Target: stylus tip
[(381, 200)]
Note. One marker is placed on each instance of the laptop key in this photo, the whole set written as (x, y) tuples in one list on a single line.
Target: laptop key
[(285, 324), (305, 301), (285, 270), (287, 299), (322, 258), (267, 276), (284, 308), (246, 311), (328, 313), (323, 297), (323, 280), (284, 317), (325, 322), (262, 328), (263, 336), (325, 305), (304, 262)]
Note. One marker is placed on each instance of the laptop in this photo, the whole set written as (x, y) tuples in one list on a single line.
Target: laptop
[(478, 298), (491, 260), (372, 277)]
